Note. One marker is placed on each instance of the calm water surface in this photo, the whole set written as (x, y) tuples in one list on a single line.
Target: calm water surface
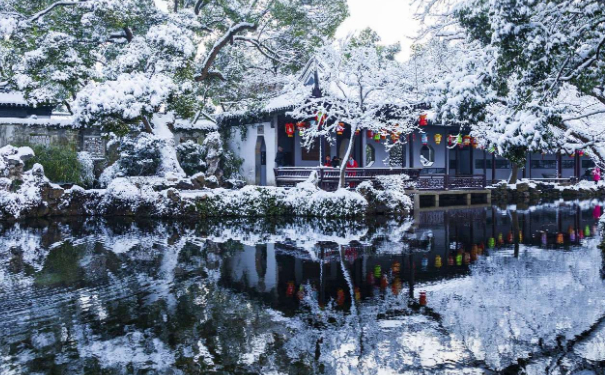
[(475, 291)]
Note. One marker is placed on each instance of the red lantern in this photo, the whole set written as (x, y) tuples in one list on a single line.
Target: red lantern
[(422, 299), (340, 297), (425, 139), (384, 281), (357, 132), (370, 134), (467, 140), (423, 121), (511, 238), (290, 130), (451, 139), (340, 128), (475, 142), (581, 153), (290, 289)]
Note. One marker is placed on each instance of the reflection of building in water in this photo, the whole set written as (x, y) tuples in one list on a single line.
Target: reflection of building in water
[(445, 246)]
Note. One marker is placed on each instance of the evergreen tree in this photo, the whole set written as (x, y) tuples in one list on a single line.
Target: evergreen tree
[(527, 76), (119, 64)]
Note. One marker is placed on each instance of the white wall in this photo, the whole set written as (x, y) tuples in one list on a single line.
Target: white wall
[(246, 149)]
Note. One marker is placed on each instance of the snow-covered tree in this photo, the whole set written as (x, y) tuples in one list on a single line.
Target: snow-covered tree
[(120, 63), (515, 64), (363, 88)]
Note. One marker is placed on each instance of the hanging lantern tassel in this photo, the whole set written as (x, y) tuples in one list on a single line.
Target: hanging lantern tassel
[(290, 130)]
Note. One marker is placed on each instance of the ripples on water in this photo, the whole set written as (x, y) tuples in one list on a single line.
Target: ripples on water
[(459, 292)]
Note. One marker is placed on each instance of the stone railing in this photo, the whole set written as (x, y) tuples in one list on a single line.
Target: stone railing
[(329, 177), (447, 182)]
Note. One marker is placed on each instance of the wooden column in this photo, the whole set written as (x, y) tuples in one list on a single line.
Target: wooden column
[(493, 167), (485, 163), (411, 153), (447, 155)]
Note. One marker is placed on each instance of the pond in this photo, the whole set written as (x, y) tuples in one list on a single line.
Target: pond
[(474, 291)]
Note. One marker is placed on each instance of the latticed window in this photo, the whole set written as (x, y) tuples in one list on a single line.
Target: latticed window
[(370, 155), (397, 156)]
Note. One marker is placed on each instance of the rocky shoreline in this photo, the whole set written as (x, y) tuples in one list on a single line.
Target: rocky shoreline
[(125, 198), (528, 191)]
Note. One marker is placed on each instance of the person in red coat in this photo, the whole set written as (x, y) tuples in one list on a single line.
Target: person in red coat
[(328, 161), (352, 163)]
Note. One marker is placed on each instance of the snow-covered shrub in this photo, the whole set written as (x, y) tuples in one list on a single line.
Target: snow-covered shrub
[(388, 192), (87, 166), (140, 156), (231, 165), (61, 163), (191, 156)]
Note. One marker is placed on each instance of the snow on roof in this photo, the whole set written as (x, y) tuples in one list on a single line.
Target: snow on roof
[(13, 98), (54, 120)]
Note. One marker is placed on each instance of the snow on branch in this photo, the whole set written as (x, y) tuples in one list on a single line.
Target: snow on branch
[(219, 45), (263, 49), (43, 12)]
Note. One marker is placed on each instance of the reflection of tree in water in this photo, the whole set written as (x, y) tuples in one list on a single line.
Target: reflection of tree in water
[(149, 296)]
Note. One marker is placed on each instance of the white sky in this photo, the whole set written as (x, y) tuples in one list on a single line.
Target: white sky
[(392, 19)]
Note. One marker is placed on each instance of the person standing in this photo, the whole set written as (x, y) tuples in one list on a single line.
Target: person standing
[(596, 174), (328, 161), (351, 163), (280, 157), (336, 161)]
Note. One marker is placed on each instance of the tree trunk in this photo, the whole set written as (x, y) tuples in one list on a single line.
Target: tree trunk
[(345, 160), (516, 230), (514, 174)]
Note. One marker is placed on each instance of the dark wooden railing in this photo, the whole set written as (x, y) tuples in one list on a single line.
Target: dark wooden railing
[(447, 182), (328, 178)]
